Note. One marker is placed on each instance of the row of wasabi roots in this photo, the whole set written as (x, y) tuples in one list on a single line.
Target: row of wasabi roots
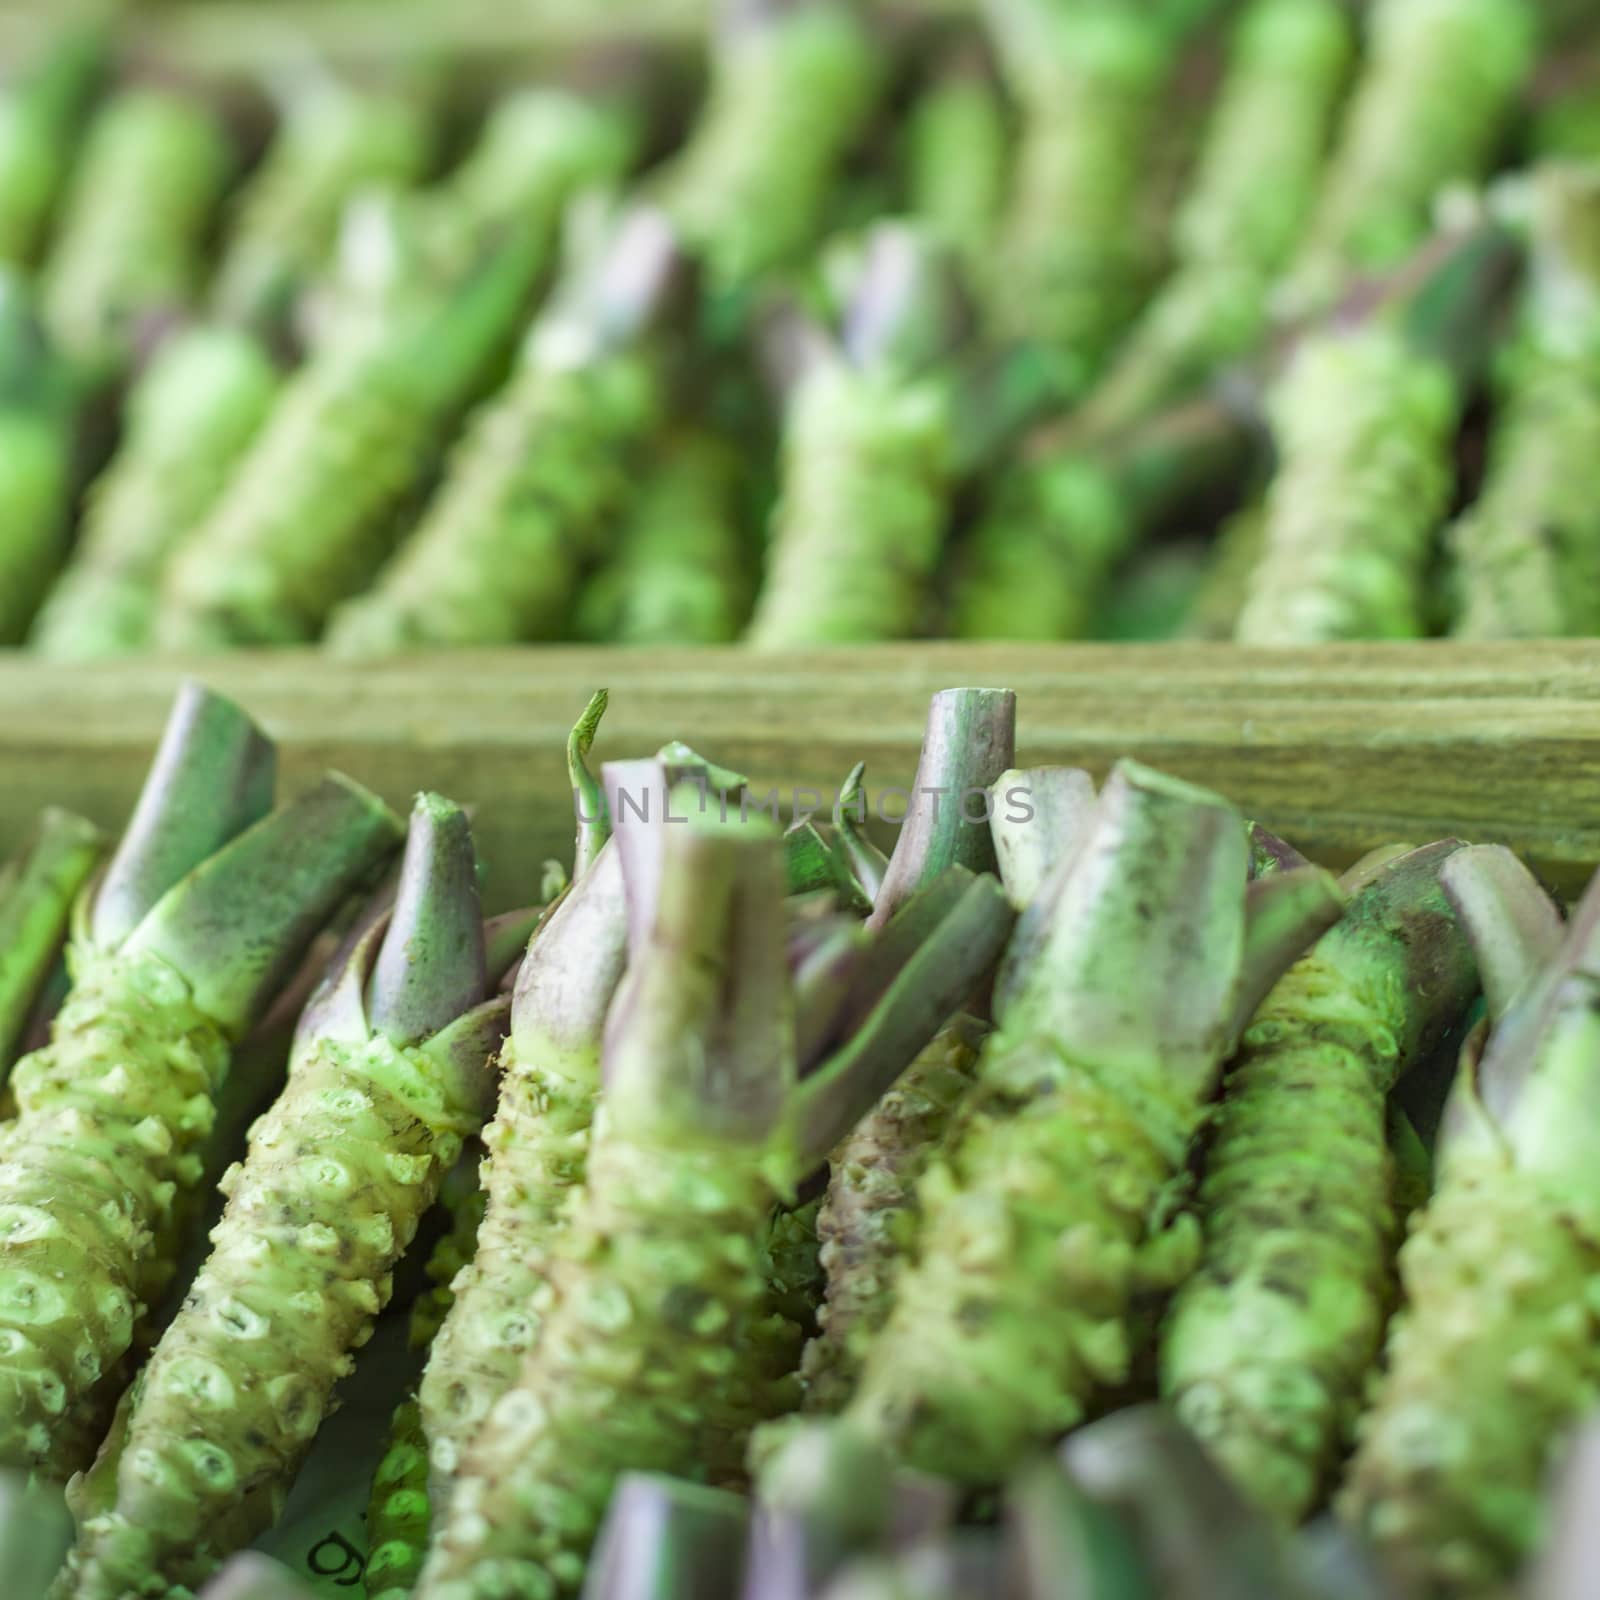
[(787, 1203), (1276, 321)]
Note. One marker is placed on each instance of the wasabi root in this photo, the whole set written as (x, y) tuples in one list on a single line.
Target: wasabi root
[(1433, 98), (533, 489), (199, 917), (129, 250), (1527, 553), (1492, 1360), (189, 419), (389, 1075), (1265, 1349), (703, 1127), (1055, 1206), (867, 463)]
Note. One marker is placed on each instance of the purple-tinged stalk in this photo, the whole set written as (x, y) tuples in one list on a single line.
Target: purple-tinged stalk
[(1197, 1537), (1527, 552), (1431, 103), (390, 1073), (189, 418), (1266, 1347), (37, 893), (1494, 1359), (659, 1350), (1055, 1209), (201, 914), (532, 493), (1252, 191), (667, 1539), (867, 459), (128, 253), (868, 1212)]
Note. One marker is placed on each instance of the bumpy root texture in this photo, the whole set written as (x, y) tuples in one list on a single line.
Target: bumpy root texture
[(336, 1177), (1499, 1276), (1054, 1209), (1266, 1347)]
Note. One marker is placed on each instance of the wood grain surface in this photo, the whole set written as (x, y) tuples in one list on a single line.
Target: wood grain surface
[(1340, 749)]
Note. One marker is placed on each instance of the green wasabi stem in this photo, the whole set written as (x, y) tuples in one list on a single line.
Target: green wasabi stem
[(867, 460), (1037, 816), (1072, 260), (200, 916), (1412, 1165), (957, 155), (1527, 553), (704, 1125), (1064, 516), (791, 88), (35, 1533), (1492, 1361), (868, 1214), (1428, 110), (868, 863), (588, 794), (249, 1576), (666, 1539), (41, 114), (129, 250), (37, 893), (1251, 193), (333, 141), (967, 1564), (307, 516), (189, 419), (681, 572), (1567, 1566), (796, 1281), (1055, 1206), (1213, 612), (1199, 1538), (36, 451), (1365, 418), (389, 1075), (1330, 1564), (536, 150), (533, 488), (1266, 1347), (1060, 1542)]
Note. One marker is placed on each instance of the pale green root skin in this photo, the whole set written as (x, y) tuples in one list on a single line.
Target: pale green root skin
[(1527, 555), (111, 1116), (1072, 259), (527, 505), (1249, 200), (1432, 101), (861, 520), (152, 172), (1265, 1348), (750, 188), (658, 1353), (868, 1214), (1494, 1358), (307, 518), (538, 1148), (1042, 555), (1041, 1226), (328, 150), (957, 153), (1364, 429), (35, 489), (336, 1178), (190, 420)]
